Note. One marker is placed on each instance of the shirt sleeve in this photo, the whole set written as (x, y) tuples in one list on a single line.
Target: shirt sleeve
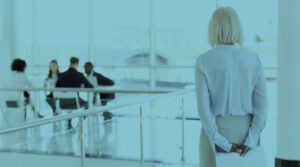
[(259, 103), (207, 118), (27, 82), (102, 80), (46, 81)]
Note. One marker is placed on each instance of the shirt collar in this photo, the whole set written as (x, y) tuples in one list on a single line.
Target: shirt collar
[(223, 46), (91, 74), (72, 69)]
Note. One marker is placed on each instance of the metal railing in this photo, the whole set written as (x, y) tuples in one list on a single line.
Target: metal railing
[(81, 113), (140, 66), (89, 91), (101, 89)]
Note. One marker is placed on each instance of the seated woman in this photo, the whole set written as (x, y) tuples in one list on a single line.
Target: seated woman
[(50, 82), (18, 79)]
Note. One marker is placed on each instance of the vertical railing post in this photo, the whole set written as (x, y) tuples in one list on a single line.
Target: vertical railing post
[(141, 137), (82, 147), (90, 99), (182, 130), (22, 106), (98, 134), (153, 128), (97, 102)]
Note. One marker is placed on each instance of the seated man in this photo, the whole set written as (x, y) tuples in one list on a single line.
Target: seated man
[(72, 79), (101, 81)]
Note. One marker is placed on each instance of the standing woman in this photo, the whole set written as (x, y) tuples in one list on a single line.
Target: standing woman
[(231, 91), (50, 82)]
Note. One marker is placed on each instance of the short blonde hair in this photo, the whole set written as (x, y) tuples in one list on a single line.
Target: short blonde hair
[(225, 27)]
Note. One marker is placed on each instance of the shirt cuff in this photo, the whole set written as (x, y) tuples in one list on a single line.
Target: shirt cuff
[(252, 139), (222, 142)]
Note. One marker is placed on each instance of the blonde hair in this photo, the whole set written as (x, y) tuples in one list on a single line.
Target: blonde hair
[(225, 27)]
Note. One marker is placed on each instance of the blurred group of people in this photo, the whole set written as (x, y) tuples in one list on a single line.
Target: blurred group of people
[(71, 78)]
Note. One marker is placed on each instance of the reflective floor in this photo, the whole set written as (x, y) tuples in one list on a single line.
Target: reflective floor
[(119, 138)]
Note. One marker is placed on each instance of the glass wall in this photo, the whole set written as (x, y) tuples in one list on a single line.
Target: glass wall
[(115, 35), (63, 28), (119, 37)]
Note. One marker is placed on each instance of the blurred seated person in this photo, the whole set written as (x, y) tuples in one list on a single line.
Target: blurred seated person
[(72, 79), (50, 82), (18, 79), (100, 81)]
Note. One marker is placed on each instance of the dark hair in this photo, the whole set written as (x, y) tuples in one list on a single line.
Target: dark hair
[(88, 64), (18, 65), (50, 72), (74, 60)]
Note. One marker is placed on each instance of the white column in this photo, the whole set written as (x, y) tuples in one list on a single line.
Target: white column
[(35, 49), (288, 143), (217, 3), (7, 37), (35, 33), (9, 21), (152, 53), (91, 31), (152, 77)]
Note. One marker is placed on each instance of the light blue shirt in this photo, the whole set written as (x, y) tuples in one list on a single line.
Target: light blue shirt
[(230, 81)]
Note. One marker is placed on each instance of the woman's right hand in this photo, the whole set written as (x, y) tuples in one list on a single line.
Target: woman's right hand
[(245, 150), (235, 149)]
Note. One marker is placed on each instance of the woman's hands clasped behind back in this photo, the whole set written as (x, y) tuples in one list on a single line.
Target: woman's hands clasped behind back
[(243, 150)]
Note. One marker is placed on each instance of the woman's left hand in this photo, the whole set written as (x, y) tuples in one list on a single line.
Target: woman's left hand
[(245, 150)]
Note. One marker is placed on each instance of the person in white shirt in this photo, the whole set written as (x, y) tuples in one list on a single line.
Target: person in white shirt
[(97, 79), (50, 82), (18, 79), (230, 89)]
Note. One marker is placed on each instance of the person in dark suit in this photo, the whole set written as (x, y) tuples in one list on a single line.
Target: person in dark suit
[(72, 79), (101, 81)]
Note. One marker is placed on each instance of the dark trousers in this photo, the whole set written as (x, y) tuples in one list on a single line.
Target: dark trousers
[(106, 114), (104, 98)]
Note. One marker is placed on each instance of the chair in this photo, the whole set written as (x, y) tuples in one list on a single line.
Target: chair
[(70, 96), (60, 96), (12, 107)]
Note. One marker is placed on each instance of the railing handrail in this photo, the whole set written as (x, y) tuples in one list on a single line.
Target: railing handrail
[(99, 90), (141, 66), (84, 113)]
